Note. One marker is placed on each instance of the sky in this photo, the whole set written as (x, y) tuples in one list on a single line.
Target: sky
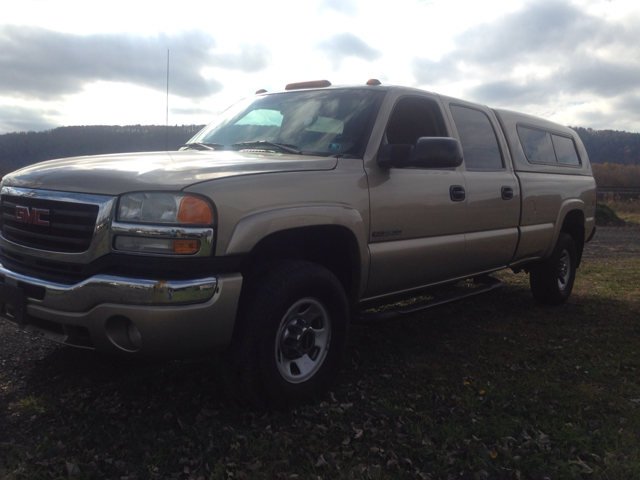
[(73, 62)]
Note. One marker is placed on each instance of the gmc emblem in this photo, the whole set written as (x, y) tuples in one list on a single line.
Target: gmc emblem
[(33, 215)]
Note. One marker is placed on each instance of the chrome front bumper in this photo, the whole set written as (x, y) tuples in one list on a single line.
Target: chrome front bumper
[(170, 318)]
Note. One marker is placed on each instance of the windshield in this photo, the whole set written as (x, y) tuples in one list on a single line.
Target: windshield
[(318, 122)]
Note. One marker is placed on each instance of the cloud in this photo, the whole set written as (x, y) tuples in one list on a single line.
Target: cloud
[(548, 48), (346, 7), (15, 118), (608, 79), (510, 92), (627, 105), (427, 71), (347, 45), (44, 64), (586, 76), (252, 58), (190, 111)]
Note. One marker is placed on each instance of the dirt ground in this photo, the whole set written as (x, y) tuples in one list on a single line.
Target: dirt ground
[(614, 242), (25, 357)]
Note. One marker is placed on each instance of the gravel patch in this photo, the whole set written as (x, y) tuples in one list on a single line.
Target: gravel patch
[(613, 242)]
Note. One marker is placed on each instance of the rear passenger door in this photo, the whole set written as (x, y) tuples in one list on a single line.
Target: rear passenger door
[(493, 195)]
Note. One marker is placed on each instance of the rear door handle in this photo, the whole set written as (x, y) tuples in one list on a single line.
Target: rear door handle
[(507, 193), (457, 193)]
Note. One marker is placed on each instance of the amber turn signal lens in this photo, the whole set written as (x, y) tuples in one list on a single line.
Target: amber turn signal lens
[(186, 246), (194, 210)]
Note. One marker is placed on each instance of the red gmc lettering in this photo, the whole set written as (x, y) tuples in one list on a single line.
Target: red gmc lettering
[(26, 215)]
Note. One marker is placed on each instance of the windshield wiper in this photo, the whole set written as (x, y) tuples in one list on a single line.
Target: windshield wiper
[(202, 145), (282, 146)]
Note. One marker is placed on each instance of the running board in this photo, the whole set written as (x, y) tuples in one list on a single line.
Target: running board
[(396, 312)]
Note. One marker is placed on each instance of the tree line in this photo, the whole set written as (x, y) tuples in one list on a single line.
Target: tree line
[(616, 175), (24, 148), (615, 155), (611, 146)]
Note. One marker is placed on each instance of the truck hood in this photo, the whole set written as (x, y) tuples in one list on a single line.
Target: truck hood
[(120, 173)]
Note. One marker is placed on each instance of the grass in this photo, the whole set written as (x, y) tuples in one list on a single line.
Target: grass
[(492, 387), (626, 209)]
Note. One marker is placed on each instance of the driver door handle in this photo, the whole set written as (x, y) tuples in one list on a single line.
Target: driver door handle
[(507, 193), (457, 193)]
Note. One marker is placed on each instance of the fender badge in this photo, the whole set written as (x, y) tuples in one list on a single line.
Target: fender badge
[(386, 233)]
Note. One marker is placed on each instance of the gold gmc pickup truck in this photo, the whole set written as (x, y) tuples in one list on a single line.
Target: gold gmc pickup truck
[(286, 218)]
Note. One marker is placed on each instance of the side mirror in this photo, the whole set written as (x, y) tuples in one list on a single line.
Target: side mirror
[(436, 152), (428, 152)]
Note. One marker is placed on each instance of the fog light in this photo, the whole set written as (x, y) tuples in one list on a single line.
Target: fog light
[(134, 335), (123, 333)]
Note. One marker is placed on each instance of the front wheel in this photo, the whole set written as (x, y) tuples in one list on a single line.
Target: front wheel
[(290, 336), (552, 279)]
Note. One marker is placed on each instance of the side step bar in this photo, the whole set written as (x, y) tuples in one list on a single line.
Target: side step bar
[(396, 312)]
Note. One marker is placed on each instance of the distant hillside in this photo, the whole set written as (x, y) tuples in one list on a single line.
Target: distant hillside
[(611, 146), (25, 148)]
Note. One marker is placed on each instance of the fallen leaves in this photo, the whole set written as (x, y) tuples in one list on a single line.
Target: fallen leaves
[(406, 406)]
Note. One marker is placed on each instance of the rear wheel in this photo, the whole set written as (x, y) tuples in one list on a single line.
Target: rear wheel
[(290, 336), (552, 279)]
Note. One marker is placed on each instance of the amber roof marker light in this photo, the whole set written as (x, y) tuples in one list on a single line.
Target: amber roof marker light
[(310, 84), (262, 90), (374, 81)]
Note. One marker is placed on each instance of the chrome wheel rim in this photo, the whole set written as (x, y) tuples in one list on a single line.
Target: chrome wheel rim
[(303, 340), (564, 270)]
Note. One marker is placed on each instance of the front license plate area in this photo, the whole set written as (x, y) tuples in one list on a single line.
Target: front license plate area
[(12, 303)]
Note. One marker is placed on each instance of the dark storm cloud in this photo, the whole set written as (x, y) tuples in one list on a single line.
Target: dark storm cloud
[(21, 119), (566, 44), (346, 45), (44, 64)]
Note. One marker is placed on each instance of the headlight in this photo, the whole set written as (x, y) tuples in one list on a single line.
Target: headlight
[(164, 208)]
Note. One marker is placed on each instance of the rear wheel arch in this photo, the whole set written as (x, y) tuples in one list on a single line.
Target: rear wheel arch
[(574, 226), (552, 279)]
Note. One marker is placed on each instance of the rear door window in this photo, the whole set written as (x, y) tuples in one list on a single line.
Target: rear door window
[(478, 139)]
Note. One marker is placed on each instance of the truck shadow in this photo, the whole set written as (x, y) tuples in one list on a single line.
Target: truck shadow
[(420, 344)]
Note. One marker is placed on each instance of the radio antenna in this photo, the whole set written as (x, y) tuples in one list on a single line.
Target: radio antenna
[(166, 130)]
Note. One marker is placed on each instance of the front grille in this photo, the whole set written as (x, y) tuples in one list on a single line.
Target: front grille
[(70, 225)]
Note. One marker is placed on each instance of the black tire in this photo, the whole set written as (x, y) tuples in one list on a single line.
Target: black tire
[(290, 336), (552, 279)]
